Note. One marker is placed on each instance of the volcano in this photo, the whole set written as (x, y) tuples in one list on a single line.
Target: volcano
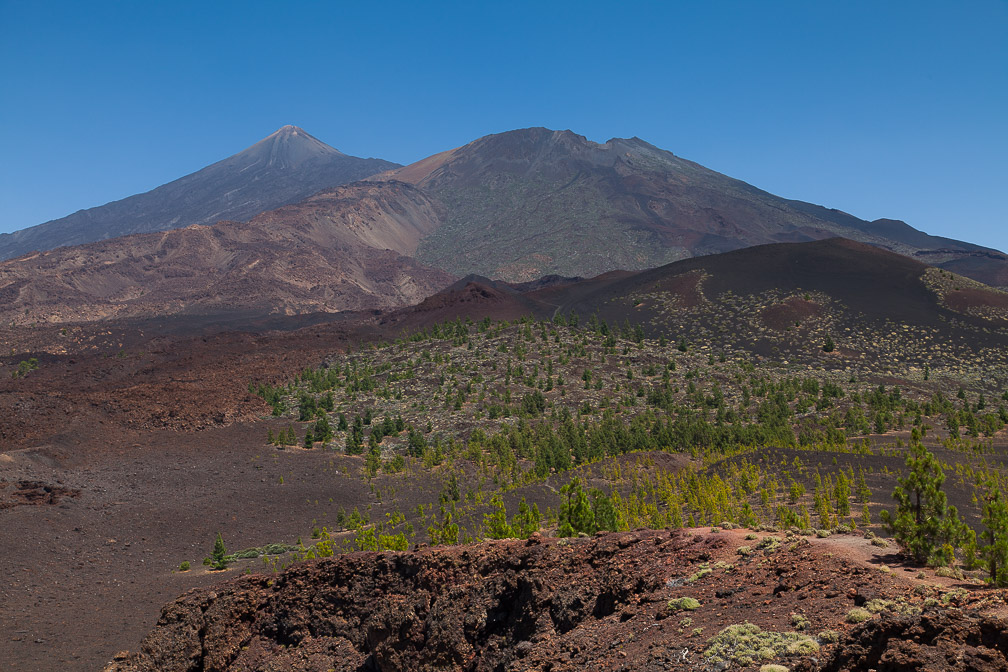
[(283, 168)]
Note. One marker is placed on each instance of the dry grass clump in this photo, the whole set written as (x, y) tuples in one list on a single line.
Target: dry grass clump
[(683, 604), (747, 644)]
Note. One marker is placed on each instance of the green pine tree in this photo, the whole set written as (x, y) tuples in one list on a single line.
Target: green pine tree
[(576, 515), (526, 521), (995, 534), (495, 522), (218, 559), (924, 526), (603, 511)]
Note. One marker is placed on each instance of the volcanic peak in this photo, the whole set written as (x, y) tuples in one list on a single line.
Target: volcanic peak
[(288, 147)]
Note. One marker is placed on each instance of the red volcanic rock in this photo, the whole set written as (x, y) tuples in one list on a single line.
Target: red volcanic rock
[(935, 641), (607, 602)]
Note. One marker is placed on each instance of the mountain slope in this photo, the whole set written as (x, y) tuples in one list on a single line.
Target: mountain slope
[(781, 301), (346, 248), (532, 202), (283, 168)]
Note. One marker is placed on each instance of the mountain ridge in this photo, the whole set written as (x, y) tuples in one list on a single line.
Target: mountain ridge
[(282, 168), (516, 200)]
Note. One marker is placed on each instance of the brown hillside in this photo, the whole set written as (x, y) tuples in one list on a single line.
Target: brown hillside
[(343, 249)]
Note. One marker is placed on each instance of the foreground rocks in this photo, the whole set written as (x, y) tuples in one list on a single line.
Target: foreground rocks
[(936, 641), (609, 602)]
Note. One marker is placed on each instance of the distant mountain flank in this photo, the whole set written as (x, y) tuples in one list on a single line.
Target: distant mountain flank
[(534, 208), (283, 168), (348, 248), (531, 202)]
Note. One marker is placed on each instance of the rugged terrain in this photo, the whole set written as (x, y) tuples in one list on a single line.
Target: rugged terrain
[(131, 442), (283, 168), (614, 602), (532, 202), (516, 207), (347, 248)]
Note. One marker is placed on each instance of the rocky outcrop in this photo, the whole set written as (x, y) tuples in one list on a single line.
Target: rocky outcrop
[(935, 641), (611, 602)]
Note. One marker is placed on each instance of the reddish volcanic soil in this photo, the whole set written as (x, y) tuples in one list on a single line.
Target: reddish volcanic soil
[(600, 603), (127, 451), (85, 573), (107, 482), (790, 311)]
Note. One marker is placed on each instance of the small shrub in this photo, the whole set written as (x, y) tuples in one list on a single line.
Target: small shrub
[(25, 367), (799, 622), (949, 572), (858, 615), (683, 604), (877, 606), (829, 636), (700, 573), (244, 554), (746, 644), (881, 543), (184, 567)]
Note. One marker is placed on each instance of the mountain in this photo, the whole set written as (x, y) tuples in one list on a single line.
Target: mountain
[(531, 202), (343, 249), (283, 168), (781, 301)]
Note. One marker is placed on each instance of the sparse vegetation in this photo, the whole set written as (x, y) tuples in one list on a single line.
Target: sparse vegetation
[(748, 644), (24, 367), (683, 604), (858, 615)]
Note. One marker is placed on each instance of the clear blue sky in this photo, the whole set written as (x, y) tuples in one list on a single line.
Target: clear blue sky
[(882, 109)]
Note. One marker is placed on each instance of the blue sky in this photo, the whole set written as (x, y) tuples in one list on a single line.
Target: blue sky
[(893, 109)]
